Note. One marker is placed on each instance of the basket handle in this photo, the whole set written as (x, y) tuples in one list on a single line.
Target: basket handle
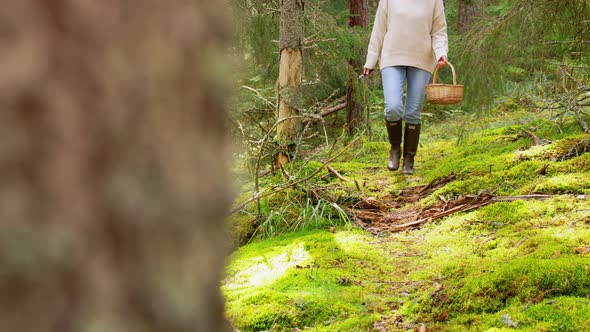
[(436, 74)]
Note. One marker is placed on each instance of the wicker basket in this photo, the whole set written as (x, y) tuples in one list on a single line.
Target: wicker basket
[(444, 94)]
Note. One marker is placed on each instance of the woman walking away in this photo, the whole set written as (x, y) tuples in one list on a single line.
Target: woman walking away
[(409, 38)]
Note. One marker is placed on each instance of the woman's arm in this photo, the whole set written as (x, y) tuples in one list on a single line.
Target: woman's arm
[(440, 40), (379, 30)]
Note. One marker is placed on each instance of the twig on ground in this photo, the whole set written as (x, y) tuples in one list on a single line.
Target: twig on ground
[(526, 133), (338, 175), (379, 220), (438, 182), (521, 241), (580, 147), (534, 137)]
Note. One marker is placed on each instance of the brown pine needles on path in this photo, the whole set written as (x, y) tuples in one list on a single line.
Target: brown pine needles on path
[(402, 213)]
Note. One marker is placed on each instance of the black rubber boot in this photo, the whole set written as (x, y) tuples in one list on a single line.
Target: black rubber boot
[(394, 131), (411, 140)]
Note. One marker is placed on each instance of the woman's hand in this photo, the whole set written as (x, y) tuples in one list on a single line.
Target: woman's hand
[(366, 72), (442, 62)]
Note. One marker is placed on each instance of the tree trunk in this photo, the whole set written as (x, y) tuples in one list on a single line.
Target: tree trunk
[(467, 11), (113, 191), (358, 17), (290, 77), (358, 13)]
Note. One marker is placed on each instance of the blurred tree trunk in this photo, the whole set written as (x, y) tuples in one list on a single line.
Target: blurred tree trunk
[(290, 77), (358, 13), (358, 17), (113, 192), (467, 11)]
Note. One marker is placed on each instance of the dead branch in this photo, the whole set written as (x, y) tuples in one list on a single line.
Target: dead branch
[(543, 170), (553, 42), (520, 198), (526, 133), (338, 175), (521, 241), (582, 123), (486, 241), (333, 109), (476, 203), (571, 66), (534, 137), (263, 143), (438, 182), (580, 147), (379, 218), (339, 100), (277, 189), (259, 95)]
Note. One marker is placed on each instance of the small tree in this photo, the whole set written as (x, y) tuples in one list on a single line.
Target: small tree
[(358, 17), (290, 77)]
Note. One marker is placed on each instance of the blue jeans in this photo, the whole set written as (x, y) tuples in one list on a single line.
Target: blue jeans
[(393, 89)]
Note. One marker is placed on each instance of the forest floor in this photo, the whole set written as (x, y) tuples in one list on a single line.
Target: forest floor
[(491, 233)]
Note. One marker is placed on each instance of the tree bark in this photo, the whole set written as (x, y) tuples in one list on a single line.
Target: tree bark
[(359, 13), (467, 11), (290, 77), (358, 17), (114, 193)]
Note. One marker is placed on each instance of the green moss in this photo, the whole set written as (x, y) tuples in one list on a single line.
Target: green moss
[(577, 164), (557, 314), (327, 277), (551, 151), (521, 281), (577, 183)]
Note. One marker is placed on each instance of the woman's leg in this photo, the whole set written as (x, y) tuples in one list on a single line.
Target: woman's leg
[(393, 89), (417, 81)]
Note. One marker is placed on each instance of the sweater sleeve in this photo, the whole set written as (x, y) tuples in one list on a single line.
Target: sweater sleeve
[(440, 41), (379, 30)]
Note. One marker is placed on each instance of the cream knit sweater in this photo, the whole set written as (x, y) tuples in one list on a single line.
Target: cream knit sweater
[(408, 33)]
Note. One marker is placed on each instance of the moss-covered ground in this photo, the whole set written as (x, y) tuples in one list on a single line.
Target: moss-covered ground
[(521, 265)]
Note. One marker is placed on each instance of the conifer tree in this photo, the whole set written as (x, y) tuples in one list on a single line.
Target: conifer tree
[(358, 17), (290, 76)]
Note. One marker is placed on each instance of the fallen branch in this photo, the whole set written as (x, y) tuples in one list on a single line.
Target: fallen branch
[(486, 241), (521, 197), (526, 133), (338, 175), (291, 184), (437, 183), (380, 219), (534, 137), (460, 208), (328, 111), (582, 123), (263, 143), (580, 147), (339, 100), (476, 203), (521, 241)]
